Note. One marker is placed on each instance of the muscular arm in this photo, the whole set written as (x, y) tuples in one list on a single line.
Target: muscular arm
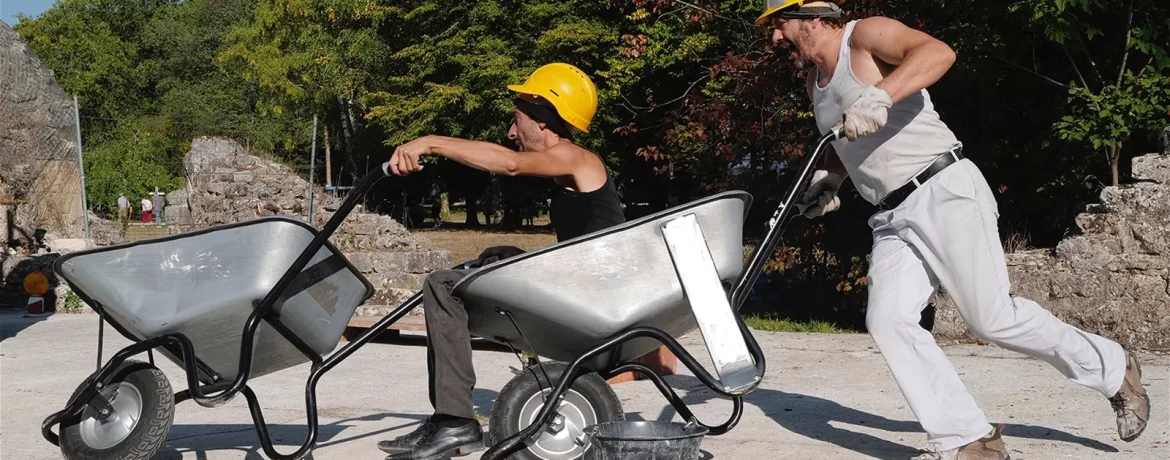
[(559, 160), (920, 60)]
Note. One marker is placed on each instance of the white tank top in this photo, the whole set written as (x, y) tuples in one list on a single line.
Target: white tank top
[(885, 160)]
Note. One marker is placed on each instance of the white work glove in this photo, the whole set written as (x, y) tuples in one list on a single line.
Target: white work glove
[(868, 114), (821, 196)]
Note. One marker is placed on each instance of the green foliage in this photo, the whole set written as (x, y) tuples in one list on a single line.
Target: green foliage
[(148, 81), (1110, 117), (134, 163), (73, 303), (1117, 56)]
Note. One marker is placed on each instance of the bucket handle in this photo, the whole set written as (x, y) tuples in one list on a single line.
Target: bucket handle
[(586, 438)]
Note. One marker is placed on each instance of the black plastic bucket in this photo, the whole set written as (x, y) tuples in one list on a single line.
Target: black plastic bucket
[(643, 441)]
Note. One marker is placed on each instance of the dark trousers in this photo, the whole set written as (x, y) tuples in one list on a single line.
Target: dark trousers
[(452, 376)]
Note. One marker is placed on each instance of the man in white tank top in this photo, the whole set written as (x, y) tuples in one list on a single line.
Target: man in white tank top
[(937, 226)]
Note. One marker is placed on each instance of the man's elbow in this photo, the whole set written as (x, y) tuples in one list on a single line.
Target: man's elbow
[(511, 168), (945, 56)]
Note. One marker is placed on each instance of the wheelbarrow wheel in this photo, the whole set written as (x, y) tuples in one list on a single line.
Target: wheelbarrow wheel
[(143, 408), (590, 400)]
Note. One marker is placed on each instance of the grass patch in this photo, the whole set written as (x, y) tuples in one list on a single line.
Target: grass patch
[(73, 303), (785, 325)]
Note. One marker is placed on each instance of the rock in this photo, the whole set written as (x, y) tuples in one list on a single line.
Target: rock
[(177, 198), (67, 245), (400, 262), (1113, 279), (226, 184), (40, 177), (1151, 168)]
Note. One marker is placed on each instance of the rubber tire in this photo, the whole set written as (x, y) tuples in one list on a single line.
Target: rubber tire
[(145, 440), (505, 421)]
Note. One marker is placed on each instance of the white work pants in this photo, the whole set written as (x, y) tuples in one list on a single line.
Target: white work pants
[(945, 232)]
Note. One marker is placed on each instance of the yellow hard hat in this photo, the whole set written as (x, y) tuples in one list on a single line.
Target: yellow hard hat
[(772, 6), (569, 90)]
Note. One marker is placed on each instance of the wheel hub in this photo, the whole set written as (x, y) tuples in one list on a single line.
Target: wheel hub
[(103, 431), (573, 414)]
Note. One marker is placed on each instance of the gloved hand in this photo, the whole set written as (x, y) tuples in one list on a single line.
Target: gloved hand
[(868, 114), (821, 196), (497, 253)]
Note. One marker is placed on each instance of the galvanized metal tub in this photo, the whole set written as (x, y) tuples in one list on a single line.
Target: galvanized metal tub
[(203, 284), (571, 296)]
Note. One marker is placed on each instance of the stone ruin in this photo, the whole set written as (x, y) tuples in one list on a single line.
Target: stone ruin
[(40, 180), (226, 184), (1112, 279)]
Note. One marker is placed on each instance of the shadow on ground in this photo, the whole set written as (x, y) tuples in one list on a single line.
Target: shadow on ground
[(815, 418), (203, 438)]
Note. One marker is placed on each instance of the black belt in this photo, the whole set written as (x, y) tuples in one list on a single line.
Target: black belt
[(940, 163)]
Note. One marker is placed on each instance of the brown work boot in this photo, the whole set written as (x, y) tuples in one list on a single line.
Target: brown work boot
[(990, 447), (1131, 404)]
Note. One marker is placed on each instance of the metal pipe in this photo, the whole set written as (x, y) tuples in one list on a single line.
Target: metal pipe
[(779, 220), (312, 163), (81, 168)]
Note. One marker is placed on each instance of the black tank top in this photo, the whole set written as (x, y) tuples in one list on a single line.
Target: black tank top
[(574, 214)]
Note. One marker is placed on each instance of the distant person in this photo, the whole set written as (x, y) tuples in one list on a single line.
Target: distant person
[(123, 209), (935, 226), (147, 211), (557, 101), (158, 207)]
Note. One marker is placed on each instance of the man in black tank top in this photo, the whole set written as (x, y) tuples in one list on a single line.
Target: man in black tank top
[(556, 100)]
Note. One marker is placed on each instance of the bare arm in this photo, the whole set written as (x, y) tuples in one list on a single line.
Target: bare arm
[(559, 160), (920, 60)]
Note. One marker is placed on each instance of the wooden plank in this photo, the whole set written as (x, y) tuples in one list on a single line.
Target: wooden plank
[(406, 323)]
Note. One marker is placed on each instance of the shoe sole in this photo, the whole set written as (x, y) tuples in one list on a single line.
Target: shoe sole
[(458, 452)]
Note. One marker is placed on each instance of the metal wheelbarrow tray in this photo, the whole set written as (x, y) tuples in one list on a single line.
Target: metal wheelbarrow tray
[(204, 285), (248, 299)]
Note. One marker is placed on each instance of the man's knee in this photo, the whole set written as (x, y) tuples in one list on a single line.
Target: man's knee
[(993, 325), (882, 325)]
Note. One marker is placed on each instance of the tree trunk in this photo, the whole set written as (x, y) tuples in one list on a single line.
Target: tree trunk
[(472, 212), (328, 158), (1114, 160)]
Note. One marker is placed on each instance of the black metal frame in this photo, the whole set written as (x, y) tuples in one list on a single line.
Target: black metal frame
[(264, 311)]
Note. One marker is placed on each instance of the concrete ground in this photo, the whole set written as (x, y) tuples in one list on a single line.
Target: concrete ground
[(825, 396)]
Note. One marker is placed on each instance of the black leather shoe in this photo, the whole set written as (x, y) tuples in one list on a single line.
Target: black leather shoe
[(409, 440), (436, 441)]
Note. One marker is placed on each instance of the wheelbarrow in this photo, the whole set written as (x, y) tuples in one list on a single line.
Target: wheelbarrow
[(240, 301)]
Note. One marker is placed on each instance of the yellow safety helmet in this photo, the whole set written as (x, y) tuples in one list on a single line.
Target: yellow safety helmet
[(772, 6), (569, 90)]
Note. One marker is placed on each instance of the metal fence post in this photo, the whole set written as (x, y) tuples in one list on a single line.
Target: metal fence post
[(81, 167), (312, 163)]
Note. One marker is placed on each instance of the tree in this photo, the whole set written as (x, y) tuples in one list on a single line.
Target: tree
[(1120, 65)]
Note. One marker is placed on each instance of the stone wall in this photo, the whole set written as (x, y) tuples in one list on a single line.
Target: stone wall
[(40, 186), (1112, 279), (227, 184)]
